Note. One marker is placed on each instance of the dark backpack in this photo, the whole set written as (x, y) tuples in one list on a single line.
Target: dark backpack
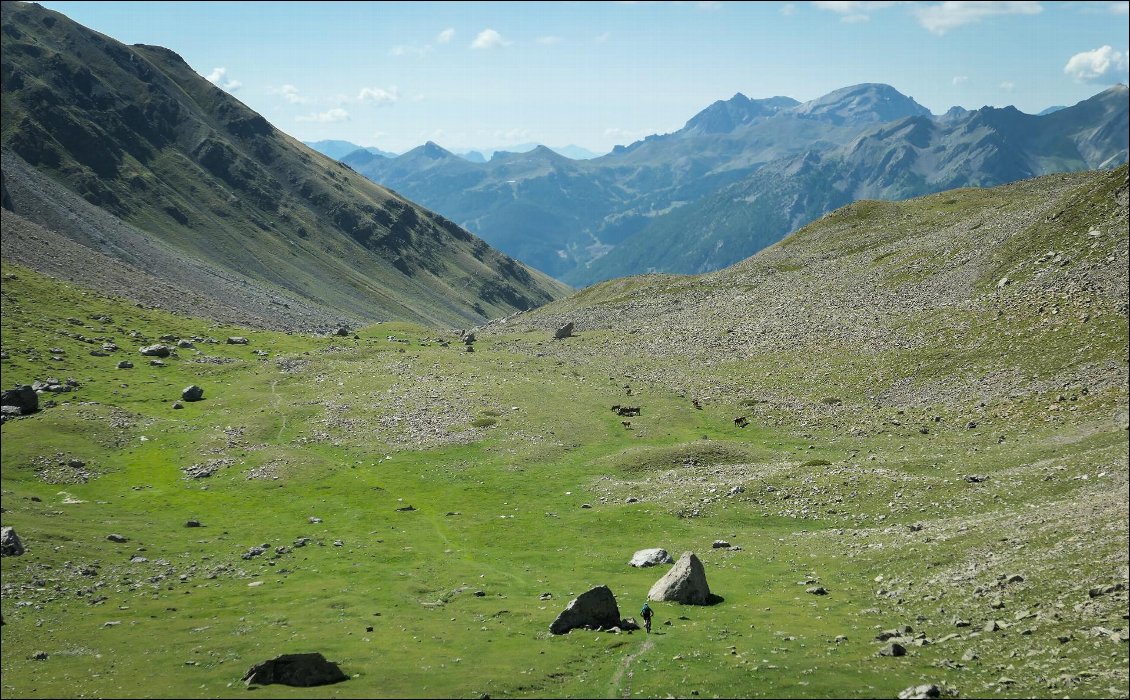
[(645, 611)]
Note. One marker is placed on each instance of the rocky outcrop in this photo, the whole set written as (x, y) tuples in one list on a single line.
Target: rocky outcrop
[(299, 670), (593, 609), (684, 583), (10, 545)]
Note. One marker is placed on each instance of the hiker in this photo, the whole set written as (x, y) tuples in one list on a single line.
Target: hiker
[(645, 613)]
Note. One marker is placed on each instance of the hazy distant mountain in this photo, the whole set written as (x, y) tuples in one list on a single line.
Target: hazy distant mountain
[(128, 154), (339, 149), (666, 202), (891, 161), (1053, 108)]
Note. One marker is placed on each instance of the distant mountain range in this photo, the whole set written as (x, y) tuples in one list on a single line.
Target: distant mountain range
[(126, 170), (742, 174), (339, 149)]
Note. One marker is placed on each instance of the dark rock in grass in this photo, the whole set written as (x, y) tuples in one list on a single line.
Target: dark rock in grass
[(893, 649), (720, 544), (650, 557), (921, 692), (177, 405), (192, 523), (39, 656), (976, 478), (816, 590), (192, 393), (10, 545), (593, 609), (125, 364), (563, 332), (406, 508), (155, 351), (114, 537), (237, 340), (629, 624), (298, 670), (341, 331), (22, 397), (684, 583)]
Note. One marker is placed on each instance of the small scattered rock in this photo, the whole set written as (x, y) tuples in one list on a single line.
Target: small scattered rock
[(114, 537)]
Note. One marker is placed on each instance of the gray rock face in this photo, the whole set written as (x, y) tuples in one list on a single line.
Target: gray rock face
[(565, 331), (593, 609), (299, 670), (650, 557), (22, 397), (155, 351), (192, 393), (684, 583), (10, 545)]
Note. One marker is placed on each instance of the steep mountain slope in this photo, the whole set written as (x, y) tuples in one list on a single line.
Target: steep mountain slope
[(136, 132), (894, 160)]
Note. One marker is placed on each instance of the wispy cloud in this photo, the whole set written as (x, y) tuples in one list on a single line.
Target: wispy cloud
[(218, 77), (410, 50), (291, 95), (548, 40), (1008, 86), (944, 16), (853, 12), (489, 39), (1103, 64), (337, 114), (378, 96), (959, 79), (788, 9), (445, 36), (602, 37)]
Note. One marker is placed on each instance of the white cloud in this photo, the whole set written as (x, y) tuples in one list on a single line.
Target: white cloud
[(959, 79), (548, 40), (445, 36), (852, 12), (290, 94), (1008, 86), (944, 16), (788, 9), (337, 114), (602, 37), (217, 78), (378, 95), (1104, 64), (1120, 8), (489, 39)]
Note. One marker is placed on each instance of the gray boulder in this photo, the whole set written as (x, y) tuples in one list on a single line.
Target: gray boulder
[(299, 670), (650, 557), (155, 351), (192, 393), (10, 545), (685, 583), (237, 340), (593, 609), (921, 692), (565, 331), (22, 397)]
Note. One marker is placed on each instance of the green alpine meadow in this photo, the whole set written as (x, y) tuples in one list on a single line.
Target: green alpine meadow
[(269, 426)]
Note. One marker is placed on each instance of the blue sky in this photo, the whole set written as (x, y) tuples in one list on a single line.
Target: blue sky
[(595, 74)]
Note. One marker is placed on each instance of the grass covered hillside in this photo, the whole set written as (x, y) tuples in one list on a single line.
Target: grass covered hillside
[(106, 145), (933, 454)]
